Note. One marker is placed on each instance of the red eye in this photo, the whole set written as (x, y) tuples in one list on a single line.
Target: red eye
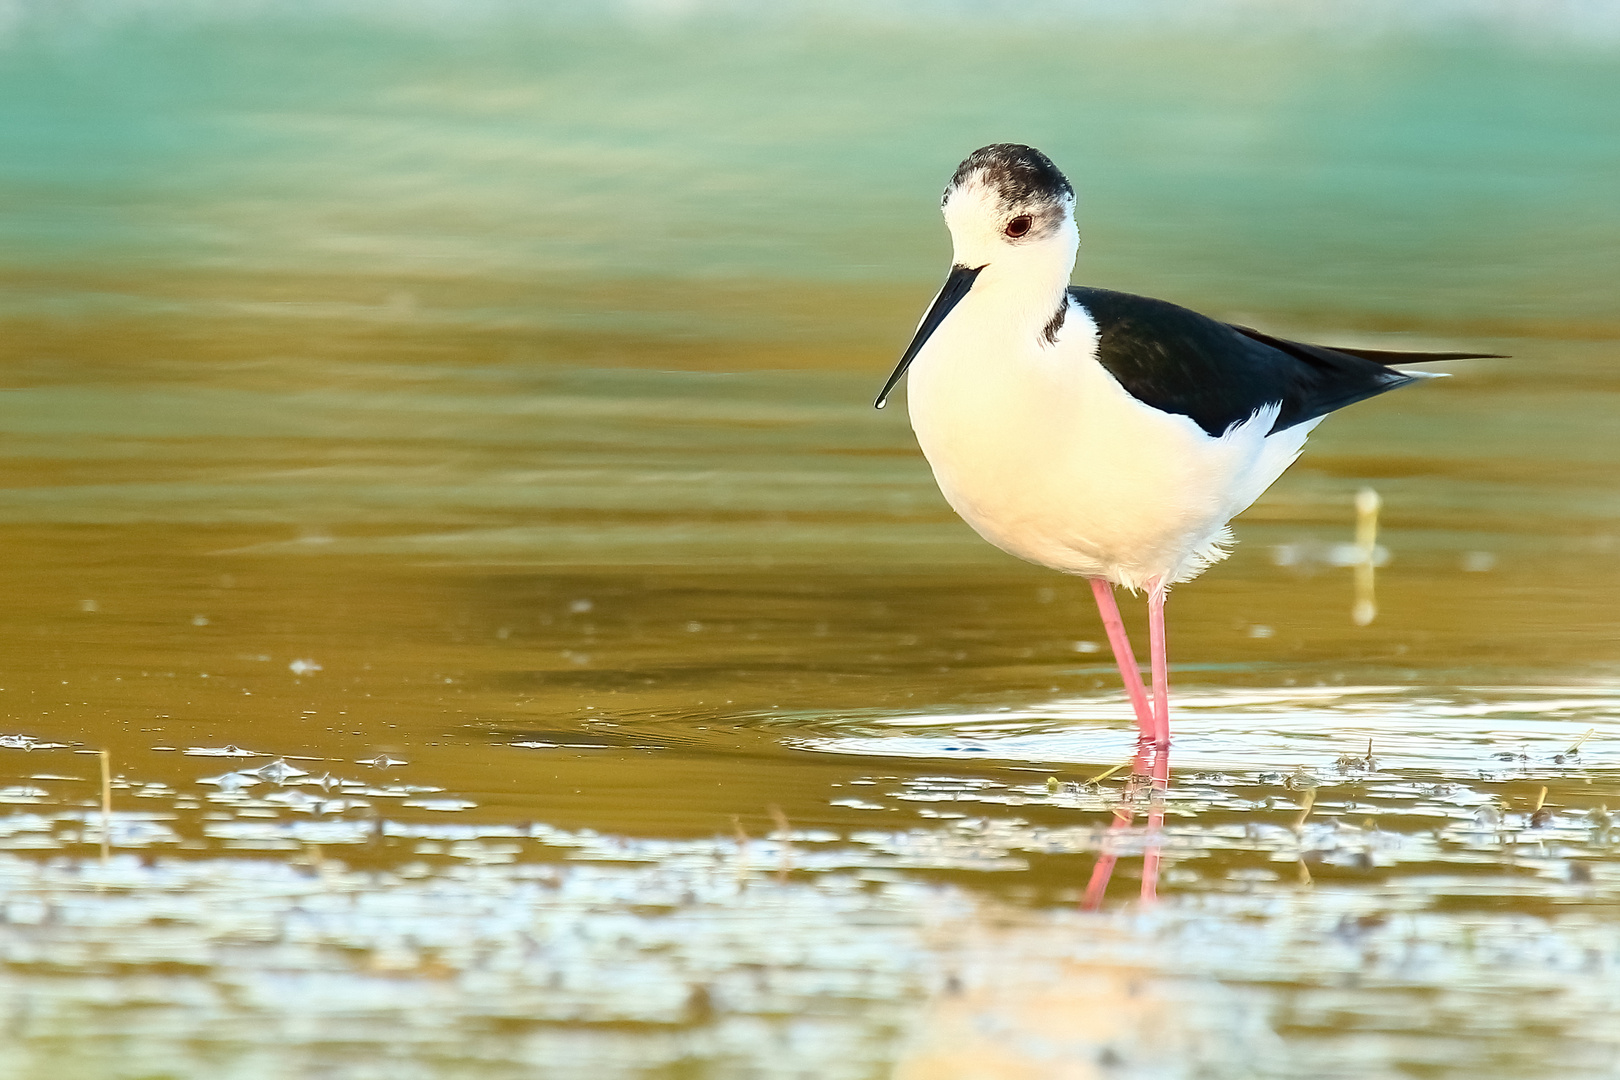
[(1019, 225)]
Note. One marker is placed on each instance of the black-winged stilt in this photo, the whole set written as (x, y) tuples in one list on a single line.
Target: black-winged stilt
[(1095, 432)]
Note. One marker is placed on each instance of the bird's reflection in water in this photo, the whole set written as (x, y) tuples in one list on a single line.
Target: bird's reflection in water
[(1150, 776), (1056, 998)]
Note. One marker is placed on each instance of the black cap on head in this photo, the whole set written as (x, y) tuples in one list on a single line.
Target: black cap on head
[(1018, 174)]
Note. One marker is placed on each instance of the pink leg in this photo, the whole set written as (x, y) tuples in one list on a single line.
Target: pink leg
[(1115, 626), (1161, 664)]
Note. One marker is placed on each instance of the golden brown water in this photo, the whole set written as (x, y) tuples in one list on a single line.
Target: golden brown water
[(517, 669)]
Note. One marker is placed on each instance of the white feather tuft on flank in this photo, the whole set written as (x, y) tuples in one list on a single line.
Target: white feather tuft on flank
[(1277, 452)]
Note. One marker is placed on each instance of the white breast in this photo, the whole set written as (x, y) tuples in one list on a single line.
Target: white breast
[(1046, 456)]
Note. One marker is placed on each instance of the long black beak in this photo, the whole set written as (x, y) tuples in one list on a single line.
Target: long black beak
[(956, 287)]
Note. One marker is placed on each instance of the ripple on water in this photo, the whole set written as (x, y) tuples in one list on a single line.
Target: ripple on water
[(1500, 731), (1326, 908), (1369, 783), (705, 959)]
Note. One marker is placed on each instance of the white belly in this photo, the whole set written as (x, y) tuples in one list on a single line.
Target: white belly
[(1046, 456)]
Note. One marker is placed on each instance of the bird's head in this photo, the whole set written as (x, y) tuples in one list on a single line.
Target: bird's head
[(1009, 207), (1011, 216)]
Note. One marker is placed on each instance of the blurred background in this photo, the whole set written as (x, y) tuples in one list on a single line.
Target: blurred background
[(438, 484)]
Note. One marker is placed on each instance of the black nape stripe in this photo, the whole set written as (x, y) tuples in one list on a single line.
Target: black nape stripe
[(1055, 323)]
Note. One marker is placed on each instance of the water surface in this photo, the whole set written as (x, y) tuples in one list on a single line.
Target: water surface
[(439, 472)]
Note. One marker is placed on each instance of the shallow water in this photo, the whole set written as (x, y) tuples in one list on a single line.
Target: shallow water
[(439, 471)]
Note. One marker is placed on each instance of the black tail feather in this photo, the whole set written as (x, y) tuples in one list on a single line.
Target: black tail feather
[(1386, 357)]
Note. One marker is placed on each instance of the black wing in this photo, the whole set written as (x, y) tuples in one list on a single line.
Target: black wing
[(1179, 361)]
